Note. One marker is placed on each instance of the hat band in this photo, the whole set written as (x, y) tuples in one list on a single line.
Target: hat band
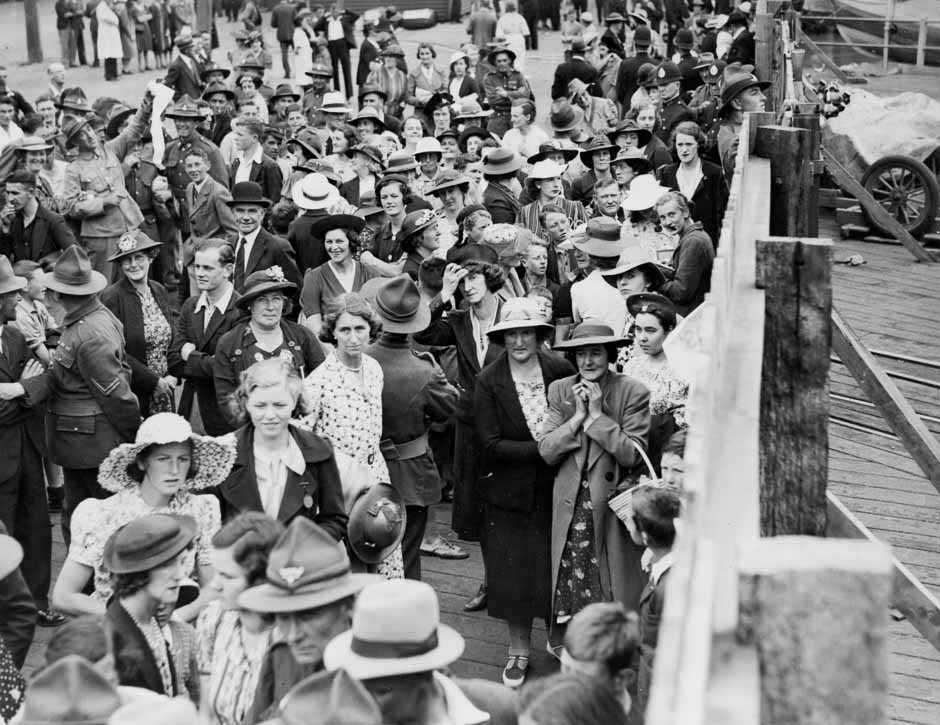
[(394, 316), (393, 650)]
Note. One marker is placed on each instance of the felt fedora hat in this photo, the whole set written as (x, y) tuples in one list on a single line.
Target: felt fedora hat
[(72, 274), (502, 162), (261, 282), (9, 282), (519, 313), (640, 15), (376, 523), (334, 102), (400, 162), (314, 191), (635, 257), (601, 238), (215, 88), (131, 243), (185, 107), (248, 192), (396, 630), (285, 90), (550, 148), (590, 332), (564, 117), (73, 100), (212, 458), (11, 553), (736, 81), (213, 67), (147, 542), (335, 697), (447, 179), (70, 691), (336, 221), (399, 304), (307, 568)]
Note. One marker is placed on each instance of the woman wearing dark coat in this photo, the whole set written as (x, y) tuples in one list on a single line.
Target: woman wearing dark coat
[(511, 404), (143, 307)]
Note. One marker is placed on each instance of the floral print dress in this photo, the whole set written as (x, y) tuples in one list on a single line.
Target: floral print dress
[(157, 336), (346, 408)]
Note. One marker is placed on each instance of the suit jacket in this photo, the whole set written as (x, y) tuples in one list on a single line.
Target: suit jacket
[(124, 302), (22, 416), (708, 203), (627, 83), (320, 481), (512, 473), (282, 18), (196, 370), (51, 234), (348, 20), (267, 173), (368, 52), (134, 661), (209, 216), (415, 395), (183, 79), (308, 249), (456, 329), (601, 453), (268, 251), (577, 67)]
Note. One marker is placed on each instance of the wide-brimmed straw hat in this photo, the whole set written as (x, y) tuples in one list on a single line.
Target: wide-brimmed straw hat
[(147, 542), (32, 143), (398, 302), (307, 568), (634, 257), (11, 553), (644, 192), (72, 274), (590, 332), (376, 523), (9, 282), (261, 282), (334, 102), (546, 169), (472, 109), (335, 697), (212, 458), (520, 313), (131, 243), (336, 221), (70, 691), (396, 630), (314, 191), (601, 238)]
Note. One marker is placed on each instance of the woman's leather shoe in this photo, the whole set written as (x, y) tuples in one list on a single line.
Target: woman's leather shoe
[(478, 602)]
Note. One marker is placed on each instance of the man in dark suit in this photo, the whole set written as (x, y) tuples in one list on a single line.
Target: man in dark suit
[(282, 19), (627, 76), (577, 67), (742, 40), (337, 27), (27, 229), (251, 163), (204, 318), (183, 75), (24, 510), (256, 249)]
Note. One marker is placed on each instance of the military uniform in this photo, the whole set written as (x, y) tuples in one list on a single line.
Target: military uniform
[(516, 87), (416, 393), (671, 113), (91, 407), (311, 103)]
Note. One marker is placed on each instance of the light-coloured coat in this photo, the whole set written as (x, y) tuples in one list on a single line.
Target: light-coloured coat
[(608, 443), (109, 32)]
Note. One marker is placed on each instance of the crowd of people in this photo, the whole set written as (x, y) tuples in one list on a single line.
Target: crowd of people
[(249, 343)]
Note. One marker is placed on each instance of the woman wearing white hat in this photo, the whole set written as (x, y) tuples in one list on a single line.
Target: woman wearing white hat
[(159, 472), (641, 227)]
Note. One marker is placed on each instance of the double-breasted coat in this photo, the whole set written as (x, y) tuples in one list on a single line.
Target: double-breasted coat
[(603, 451), (318, 486), (196, 370), (516, 487)]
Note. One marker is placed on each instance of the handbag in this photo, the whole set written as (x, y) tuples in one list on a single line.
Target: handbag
[(622, 503), (355, 476)]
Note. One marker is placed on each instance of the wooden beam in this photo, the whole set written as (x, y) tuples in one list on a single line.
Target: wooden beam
[(806, 116), (790, 152), (877, 212), (881, 390), (817, 611), (795, 275), (910, 597)]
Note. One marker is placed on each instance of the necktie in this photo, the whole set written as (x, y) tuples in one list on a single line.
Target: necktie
[(240, 264)]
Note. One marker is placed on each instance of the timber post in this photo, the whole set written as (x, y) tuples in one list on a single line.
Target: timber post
[(806, 117), (790, 153), (816, 610), (795, 275), (33, 43)]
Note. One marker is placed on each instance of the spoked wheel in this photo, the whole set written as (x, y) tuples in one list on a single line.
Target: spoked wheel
[(907, 189)]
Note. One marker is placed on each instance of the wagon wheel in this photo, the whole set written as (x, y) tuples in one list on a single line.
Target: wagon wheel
[(907, 189)]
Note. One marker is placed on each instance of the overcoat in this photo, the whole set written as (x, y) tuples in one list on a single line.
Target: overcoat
[(708, 202), (320, 481), (109, 33), (135, 663), (605, 451)]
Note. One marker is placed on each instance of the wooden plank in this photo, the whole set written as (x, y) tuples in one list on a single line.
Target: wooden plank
[(794, 397), (790, 152), (922, 445), (910, 597), (848, 182)]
